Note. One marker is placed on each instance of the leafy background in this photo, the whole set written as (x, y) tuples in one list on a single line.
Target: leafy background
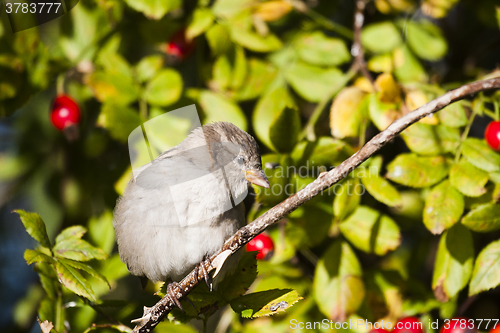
[(422, 240)]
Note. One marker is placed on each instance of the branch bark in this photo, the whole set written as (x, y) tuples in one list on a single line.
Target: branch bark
[(152, 316), (357, 49)]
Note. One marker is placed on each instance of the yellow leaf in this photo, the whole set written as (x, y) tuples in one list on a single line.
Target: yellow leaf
[(415, 99), (393, 6), (364, 84), (388, 89), (272, 10), (345, 118)]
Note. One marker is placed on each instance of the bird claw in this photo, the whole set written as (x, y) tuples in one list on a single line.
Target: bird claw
[(172, 295), (206, 276)]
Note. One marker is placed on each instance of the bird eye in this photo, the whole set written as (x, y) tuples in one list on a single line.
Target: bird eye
[(240, 159)]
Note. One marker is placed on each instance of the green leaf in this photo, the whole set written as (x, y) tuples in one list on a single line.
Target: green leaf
[(218, 39), (221, 73), (230, 8), (265, 303), (278, 178), (254, 41), (76, 231), (381, 189), (219, 108), (480, 155), (495, 177), (444, 206), (468, 179), (148, 67), (120, 121), (337, 286), (453, 115), (101, 231), (486, 274), (268, 108), (374, 164), (11, 83), (317, 49), (425, 39), (165, 88), (154, 9), (453, 266), (50, 285), (382, 114), (259, 77), (371, 231), (415, 171), (111, 60), (13, 166), (83, 27), (381, 37), (172, 327), (498, 16), (483, 218), (74, 281), (32, 256), (86, 268), (407, 68), (326, 152), (35, 227), (287, 121), (239, 281), (200, 22), (309, 224), (78, 249), (240, 68), (314, 83), (380, 63), (113, 87), (427, 139), (347, 198)]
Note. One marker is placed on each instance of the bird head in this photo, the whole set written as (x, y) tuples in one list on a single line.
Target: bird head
[(240, 148)]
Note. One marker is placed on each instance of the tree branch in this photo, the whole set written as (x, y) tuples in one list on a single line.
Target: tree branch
[(357, 49), (152, 316)]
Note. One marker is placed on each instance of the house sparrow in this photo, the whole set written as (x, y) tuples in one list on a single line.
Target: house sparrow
[(182, 206)]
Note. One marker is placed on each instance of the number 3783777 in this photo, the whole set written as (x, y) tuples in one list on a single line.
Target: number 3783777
[(470, 323), (40, 7)]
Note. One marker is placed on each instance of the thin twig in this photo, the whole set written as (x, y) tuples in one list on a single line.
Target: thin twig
[(301, 7), (155, 314), (309, 129), (465, 134), (357, 49)]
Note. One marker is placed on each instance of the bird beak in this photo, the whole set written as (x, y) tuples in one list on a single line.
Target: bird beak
[(257, 177)]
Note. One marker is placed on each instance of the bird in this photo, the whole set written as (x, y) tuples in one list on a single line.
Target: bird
[(180, 208)]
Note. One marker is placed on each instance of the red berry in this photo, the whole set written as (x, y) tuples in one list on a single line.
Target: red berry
[(492, 135), (65, 112), (262, 243), (459, 325), (496, 329), (178, 46), (409, 325)]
